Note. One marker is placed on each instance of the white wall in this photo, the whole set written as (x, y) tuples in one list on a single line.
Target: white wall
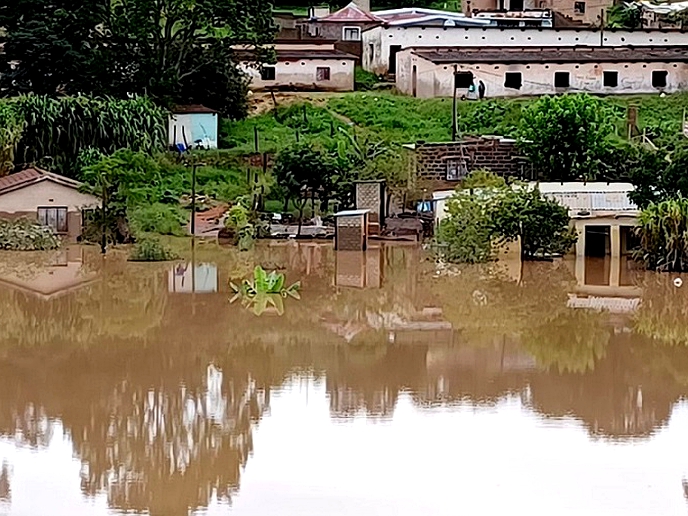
[(537, 79), (301, 75), (377, 41), (45, 194)]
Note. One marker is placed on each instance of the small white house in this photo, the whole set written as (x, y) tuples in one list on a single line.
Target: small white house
[(193, 126)]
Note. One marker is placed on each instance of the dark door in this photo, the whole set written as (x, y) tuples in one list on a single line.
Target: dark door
[(415, 80), (393, 50), (516, 5)]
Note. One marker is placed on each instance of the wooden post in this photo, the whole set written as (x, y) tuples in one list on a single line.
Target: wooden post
[(454, 116)]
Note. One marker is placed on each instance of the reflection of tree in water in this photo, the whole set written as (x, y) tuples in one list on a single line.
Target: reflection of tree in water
[(5, 490), (572, 341), (167, 450), (663, 314)]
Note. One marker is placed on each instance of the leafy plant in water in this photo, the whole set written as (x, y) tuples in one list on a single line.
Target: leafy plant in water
[(265, 291), (151, 250), (26, 235)]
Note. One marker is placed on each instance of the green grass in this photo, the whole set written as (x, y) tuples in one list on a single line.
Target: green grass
[(400, 119)]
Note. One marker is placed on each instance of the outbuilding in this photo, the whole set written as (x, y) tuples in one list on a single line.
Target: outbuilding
[(193, 126), (304, 65), (51, 199)]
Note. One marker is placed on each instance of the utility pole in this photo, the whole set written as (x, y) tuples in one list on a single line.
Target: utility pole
[(193, 200), (454, 117), (193, 196)]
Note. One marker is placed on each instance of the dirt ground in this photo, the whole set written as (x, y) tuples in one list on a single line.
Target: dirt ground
[(261, 101)]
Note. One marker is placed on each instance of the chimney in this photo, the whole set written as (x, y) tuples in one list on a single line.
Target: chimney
[(363, 5)]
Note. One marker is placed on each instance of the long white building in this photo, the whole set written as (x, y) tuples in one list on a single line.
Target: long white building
[(382, 44)]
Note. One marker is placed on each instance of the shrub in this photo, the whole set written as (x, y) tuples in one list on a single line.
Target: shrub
[(26, 235), (663, 231), (164, 219), (364, 80), (151, 250)]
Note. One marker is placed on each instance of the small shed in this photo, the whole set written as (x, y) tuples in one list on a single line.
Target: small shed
[(351, 230), (193, 126), (370, 195)]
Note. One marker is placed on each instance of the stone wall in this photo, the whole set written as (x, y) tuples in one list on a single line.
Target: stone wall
[(496, 154)]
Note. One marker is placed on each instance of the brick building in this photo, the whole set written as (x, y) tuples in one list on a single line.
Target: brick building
[(440, 166)]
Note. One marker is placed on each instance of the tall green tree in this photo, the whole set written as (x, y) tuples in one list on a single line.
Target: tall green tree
[(176, 51), (51, 47), (565, 137)]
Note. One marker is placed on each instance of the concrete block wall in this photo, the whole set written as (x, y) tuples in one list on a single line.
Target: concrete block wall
[(498, 155)]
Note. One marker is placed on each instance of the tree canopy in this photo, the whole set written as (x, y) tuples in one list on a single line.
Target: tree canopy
[(176, 51), (565, 137)]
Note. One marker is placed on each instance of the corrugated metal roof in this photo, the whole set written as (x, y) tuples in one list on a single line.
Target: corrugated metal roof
[(594, 201), (351, 13)]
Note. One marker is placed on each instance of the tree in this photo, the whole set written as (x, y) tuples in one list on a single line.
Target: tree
[(52, 47), (540, 223), (486, 211), (625, 16), (658, 176), (176, 51), (565, 137), (116, 180), (303, 171)]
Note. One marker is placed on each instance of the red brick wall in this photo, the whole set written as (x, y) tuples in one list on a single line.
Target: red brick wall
[(498, 155)]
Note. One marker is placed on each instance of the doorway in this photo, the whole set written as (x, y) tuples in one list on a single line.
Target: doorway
[(414, 80), (393, 51)]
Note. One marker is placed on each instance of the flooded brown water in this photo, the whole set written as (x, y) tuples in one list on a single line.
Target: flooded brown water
[(389, 388)]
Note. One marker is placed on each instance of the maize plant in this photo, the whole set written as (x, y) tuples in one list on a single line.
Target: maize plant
[(11, 129), (663, 232), (58, 130)]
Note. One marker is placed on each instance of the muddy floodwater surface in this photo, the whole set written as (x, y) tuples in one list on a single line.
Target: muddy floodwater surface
[(393, 386)]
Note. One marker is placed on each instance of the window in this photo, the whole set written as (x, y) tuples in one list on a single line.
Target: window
[(463, 80), (267, 73), (351, 34), (659, 78), (610, 79), (54, 218), (456, 169), (513, 80), (561, 79), (579, 7), (322, 73)]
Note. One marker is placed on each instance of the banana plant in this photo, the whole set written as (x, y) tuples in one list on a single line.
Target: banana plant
[(264, 292)]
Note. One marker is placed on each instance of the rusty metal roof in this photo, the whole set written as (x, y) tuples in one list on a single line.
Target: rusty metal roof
[(31, 176), (351, 14), (552, 54)]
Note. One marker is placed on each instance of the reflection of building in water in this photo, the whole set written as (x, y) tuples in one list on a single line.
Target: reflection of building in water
[(360, 269), (63, 274), (184, 278), (605, 284)]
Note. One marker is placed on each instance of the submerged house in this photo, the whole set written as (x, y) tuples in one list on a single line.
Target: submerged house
[(51, 199)]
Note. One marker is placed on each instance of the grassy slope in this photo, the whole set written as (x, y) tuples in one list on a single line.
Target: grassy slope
[(398, 119)]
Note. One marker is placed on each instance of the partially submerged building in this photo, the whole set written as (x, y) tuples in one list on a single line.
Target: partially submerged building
[(51, 199), (425, 72)]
